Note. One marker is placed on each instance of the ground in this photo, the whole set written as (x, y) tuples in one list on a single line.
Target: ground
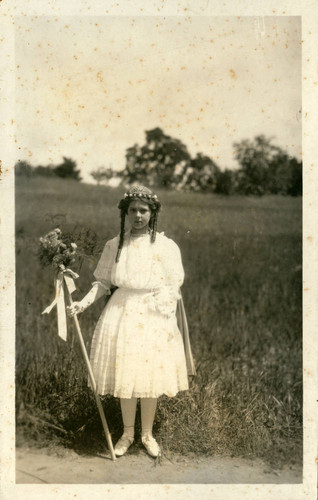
[(59, 465)]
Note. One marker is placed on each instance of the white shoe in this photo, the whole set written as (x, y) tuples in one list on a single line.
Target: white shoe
[(151, 446), (123, 444)]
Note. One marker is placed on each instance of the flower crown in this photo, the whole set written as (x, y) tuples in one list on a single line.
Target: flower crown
[(140, 192), (139, 195)]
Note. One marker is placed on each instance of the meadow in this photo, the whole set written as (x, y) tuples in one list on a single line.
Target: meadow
[(243, 297)]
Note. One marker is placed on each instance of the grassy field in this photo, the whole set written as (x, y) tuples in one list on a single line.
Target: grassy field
[(243, 297)]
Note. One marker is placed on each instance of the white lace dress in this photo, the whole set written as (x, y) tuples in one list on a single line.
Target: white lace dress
[(137, 348)]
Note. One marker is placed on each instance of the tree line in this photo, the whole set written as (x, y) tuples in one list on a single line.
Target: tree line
[(66, 170), (165, 162)]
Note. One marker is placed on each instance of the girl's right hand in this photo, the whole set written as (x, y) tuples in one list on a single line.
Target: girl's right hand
[(74, 308)]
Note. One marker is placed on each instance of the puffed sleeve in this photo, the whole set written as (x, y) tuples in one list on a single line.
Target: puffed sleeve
[(164, 299), (173, 265), (103, 270)]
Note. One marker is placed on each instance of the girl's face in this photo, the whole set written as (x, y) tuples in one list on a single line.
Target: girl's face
[(139, 215)]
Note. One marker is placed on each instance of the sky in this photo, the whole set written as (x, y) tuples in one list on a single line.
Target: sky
[(89, 87)]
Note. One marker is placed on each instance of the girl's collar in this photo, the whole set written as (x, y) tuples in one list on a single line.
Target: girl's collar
[(129, 234)]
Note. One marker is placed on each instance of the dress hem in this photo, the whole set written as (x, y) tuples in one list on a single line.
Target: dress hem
[(118, 394)]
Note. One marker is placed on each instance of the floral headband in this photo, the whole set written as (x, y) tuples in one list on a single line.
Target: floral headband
[(139, 195), (140, 192)]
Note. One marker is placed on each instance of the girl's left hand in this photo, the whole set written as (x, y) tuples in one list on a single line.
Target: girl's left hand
[(163, 301)]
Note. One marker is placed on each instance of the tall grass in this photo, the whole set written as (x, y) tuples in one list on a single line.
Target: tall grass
[(242, 293)]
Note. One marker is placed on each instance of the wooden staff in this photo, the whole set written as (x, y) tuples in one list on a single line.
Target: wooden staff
[(93, 383)]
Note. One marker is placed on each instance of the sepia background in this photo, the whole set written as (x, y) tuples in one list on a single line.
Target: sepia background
[(217, 101)]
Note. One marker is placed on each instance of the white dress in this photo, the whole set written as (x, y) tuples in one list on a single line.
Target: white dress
[(137, 349)]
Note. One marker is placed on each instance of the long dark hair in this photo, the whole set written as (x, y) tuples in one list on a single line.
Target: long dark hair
[(154, 204)]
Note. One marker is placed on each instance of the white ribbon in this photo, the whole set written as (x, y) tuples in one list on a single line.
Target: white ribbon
[(68, 276)]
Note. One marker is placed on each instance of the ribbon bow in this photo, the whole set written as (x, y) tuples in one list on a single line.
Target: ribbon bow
[(68, 276)]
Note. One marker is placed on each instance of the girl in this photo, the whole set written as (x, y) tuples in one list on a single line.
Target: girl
[(137, 349)]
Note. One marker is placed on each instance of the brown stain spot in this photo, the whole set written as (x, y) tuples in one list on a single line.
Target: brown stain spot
[(233, 74), (309, 238)]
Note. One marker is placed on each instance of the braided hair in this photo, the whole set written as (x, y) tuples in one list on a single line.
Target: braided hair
[(143, 194)]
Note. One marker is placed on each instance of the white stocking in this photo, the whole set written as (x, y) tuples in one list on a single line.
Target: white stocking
[(148, 410), (128, 411)]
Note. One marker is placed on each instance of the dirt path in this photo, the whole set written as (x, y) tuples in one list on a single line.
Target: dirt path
[(67, 467)]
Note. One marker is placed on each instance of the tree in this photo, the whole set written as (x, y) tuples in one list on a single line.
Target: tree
[(23, 168), (136, 169), (226, 182), (296, 184), (201, 175), (161, 161), (48, 171), (285, 175), (266, 168), (68, 170), (103, 174), (254, 158)]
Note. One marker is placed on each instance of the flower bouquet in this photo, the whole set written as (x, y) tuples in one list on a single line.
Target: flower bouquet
[(56, 250)]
